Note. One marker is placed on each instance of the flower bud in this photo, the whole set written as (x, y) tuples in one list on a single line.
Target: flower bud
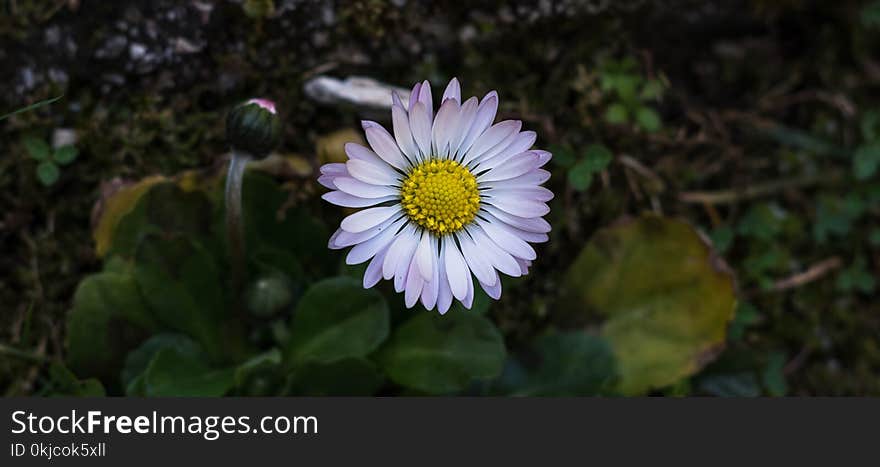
[(269, 295), (253, 127)]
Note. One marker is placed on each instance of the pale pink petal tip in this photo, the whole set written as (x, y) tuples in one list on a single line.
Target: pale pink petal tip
[(264, 103)]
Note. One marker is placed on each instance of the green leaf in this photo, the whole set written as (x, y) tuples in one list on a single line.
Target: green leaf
[(63, 383), (182, 284), (572, 364), (866, 161), (337, 318), (598, 156), (580, 177), (173, 373), (743, 384), (48, 173), (648, 119), (746, 315), (65, 154), (563, 156), (722, 238), (774, 376), (653, 89), (154, 206), (616, 114), (441, 354), (870, 15), (344, 377), (37, 148), (870, 124), (137, 361), (109, 318), (268, 359), (666, 295), (268, 223)]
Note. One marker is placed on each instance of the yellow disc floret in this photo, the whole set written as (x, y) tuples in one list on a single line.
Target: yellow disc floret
[(441, 196)]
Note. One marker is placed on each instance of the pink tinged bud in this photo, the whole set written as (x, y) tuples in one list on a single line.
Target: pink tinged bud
[(264, 103)]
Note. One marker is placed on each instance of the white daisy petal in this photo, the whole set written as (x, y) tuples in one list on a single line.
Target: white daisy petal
[(501, 260), (482, 120), (384, 146), (426, 99), (425, 257), (346, 200), (456, 269), (444, 125), (516, 166), (414, 96), (468, 300), (527, 180), (361, 189), (534, 224), (373, 274), (372, 246), (345, 238), (477, 161), (478, 263), (401, 251), (519, 144), (327, 181), (432, 288), (537, 193), (444, 293), (402, 133), (465, 119), (335, 169), (493, 291), (494, 135), (420, 124), (371, 217), (414, 284), (373, 173), (505, 238), (453, 91), (522, 207), (356, 151)]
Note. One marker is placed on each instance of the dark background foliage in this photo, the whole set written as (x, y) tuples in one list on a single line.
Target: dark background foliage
[(756, 121)]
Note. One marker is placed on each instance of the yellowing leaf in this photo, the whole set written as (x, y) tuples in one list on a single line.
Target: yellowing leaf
[(119, 202), (666, 297)]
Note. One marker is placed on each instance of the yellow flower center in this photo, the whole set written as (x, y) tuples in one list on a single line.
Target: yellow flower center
[(441, 196)]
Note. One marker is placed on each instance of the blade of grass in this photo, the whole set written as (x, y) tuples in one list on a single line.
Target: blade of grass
[(31, 107)]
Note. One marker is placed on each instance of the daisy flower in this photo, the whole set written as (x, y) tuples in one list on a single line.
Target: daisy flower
[(448, 196)]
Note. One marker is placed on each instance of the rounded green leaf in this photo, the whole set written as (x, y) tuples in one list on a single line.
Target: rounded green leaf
[(65, 154), (666, 295), (109, 317), (866, 161), (48, 173), (137, 361), (616, 114), (440, 354), (182, 284), (345, 377), (648, 119), (37, 148), (597, 156), (580, 177), (337, 318), (174, 373), (572, 364)]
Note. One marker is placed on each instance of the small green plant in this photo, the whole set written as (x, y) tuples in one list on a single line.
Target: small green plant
[(582, 169), (866, 159), (49, 160), (631, 94)]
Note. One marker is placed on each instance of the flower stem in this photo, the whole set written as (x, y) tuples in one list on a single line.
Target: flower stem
[(235, 222)]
